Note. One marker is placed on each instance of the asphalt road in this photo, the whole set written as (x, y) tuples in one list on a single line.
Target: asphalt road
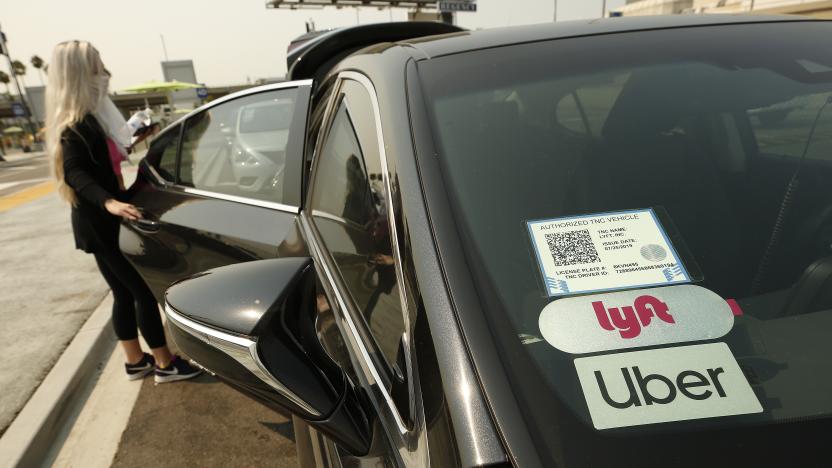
[(20, 174), (203, 422), (47, 288)]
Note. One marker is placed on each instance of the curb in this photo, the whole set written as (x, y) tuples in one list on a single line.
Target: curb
[(31, 438)]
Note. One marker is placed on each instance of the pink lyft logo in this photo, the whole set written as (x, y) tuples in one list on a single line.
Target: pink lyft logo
[(635, 318), (630, 319)]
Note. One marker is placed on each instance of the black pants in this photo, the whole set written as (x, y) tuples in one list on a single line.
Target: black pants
[(132, 300)]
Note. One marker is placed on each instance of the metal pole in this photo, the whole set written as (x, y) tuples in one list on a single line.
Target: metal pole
[(604, 9), (751, 8), (5, 49), (555, 14), (164, 47)]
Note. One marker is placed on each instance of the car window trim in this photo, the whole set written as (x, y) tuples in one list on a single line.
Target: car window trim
[(235, 95), (328, 124), (182, 122), (317, 246), (321, 260)]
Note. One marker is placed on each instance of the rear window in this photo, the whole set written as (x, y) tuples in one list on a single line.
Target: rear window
[(648, 220)]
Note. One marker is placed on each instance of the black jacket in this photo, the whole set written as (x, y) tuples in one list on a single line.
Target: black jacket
[(88, 170)]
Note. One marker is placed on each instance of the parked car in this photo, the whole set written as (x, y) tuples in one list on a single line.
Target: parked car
[(555, 245)]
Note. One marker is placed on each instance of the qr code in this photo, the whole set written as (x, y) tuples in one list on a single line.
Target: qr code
[(573, 247)]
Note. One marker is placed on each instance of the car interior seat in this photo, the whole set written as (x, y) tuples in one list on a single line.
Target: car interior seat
[(648, 157)]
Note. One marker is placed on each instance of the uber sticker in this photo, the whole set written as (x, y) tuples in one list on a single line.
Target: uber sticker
[(603, 252), (635, 318), (662, 385)]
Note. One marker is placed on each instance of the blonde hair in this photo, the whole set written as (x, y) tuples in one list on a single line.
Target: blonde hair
[(73, 91)]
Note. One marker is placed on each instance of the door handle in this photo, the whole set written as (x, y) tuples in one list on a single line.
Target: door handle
[(146, 225)]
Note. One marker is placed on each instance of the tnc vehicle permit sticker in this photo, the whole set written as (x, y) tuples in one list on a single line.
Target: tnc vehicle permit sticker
[(662, 385), (604, 252), (635, 318)]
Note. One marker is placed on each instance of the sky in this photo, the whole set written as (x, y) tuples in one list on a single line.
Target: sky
[(230, 41)]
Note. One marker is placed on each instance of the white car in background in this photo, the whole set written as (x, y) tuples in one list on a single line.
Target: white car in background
[(258, 153)]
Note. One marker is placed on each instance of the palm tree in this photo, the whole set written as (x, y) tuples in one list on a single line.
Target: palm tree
[(38, 63), (18, 68), (5, 79)]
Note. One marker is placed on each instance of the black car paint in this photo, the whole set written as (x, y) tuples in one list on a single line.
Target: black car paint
[(194, 232), (273, 302), (317, 56), (174, 252), (451, 339)]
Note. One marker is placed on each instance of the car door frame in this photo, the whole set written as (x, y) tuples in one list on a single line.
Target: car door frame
[(293, 173), (409, 441)]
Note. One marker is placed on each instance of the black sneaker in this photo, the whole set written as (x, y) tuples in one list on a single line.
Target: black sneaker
[(140, 369), (177, 369)]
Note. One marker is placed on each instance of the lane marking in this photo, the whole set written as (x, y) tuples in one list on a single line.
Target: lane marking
[(5, 185), (26, 195)]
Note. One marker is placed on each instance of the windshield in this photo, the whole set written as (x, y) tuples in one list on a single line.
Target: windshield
[(647, 217)]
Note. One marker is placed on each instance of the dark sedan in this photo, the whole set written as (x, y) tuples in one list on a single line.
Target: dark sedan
[(577, 245)]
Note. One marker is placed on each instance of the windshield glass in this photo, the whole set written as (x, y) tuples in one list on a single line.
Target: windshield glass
[(647, 217)]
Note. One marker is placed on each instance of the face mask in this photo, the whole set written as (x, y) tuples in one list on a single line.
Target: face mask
[(103, 85)]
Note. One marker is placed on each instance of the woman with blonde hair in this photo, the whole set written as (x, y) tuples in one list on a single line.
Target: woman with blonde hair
[(87, 139)]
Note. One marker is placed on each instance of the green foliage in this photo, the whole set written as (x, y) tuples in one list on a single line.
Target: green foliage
[(36, 62), (18, 68)]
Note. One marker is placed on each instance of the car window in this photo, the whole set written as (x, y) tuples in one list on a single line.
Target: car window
[(349, 210), (696, 185), (162, 153), (239, 147)]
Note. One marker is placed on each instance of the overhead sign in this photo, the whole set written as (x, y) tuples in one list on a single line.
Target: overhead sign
[(635, 318), (458, 5), (662, 385), (17, 109)]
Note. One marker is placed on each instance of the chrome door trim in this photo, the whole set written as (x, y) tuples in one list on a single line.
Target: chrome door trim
[(159, 179), (376, 379), (385, 174), (237, 199), (312, 234), (242, 349)]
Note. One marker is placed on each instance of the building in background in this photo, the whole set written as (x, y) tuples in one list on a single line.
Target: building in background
[(655, 7), (37, 102), (183, 72), (813, 8)]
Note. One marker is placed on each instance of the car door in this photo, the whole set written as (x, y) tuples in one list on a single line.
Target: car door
[(362, 318), (222, 186)]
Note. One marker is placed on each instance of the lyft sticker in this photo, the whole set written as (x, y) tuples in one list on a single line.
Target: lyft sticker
[(635, 318), (662, 385), (605, 252)]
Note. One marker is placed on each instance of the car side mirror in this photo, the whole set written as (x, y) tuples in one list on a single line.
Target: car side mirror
[(253, 326)]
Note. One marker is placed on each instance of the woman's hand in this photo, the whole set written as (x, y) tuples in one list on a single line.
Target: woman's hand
[(124, 210)]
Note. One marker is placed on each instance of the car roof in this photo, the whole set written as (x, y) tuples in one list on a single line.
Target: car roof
[(447, 44)]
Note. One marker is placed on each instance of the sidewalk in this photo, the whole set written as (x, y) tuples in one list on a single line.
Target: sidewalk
[(85, 413), (20, 156), (200, 422)]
